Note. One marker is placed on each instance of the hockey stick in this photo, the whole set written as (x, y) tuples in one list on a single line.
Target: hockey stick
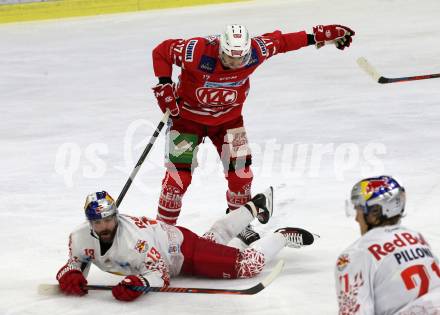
[(142, 158), (52, 289), (371, 71)]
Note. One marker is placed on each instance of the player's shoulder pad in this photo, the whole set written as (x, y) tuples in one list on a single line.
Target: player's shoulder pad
[(259, 43), (353, 258), (80, 236), (195, 48), (84, 228)]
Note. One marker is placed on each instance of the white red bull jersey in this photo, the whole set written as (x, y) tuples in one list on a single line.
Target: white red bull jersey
[(141, 246), (384, 271)]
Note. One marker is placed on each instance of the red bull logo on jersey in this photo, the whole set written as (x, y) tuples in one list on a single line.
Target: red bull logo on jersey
[(400, 240), (141, 246), (342, 262)]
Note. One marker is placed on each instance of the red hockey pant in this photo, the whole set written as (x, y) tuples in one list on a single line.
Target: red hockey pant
[(206, 258)]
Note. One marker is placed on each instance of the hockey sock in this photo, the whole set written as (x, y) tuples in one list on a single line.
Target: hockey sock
[(239, 187), (174, 186), (225, 229)]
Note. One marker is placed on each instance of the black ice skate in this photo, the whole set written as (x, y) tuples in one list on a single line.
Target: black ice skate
[(296, 237), (248, 235), (261, 207)]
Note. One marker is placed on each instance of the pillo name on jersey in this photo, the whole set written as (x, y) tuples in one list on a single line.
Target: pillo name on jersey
[(412, 254)]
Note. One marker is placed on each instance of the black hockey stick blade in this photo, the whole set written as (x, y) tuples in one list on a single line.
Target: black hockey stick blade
[(372, 72), (52, 289), (406, 79)]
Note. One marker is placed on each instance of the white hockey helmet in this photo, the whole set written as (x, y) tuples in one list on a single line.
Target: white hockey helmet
[(384, 191), (235, 42), (99, 205)]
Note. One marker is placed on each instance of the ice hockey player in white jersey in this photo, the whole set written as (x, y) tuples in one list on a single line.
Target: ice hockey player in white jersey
[(149, 252), (390, 269)]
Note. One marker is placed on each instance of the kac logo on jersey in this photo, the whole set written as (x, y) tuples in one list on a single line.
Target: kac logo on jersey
[(141, 246), (216, 96)]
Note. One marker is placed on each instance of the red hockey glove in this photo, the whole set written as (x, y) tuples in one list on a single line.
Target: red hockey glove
[(131, 288), (72, 281), (166, 97), (333, 34)]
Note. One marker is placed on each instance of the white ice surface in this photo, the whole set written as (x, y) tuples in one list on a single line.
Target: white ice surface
[(87, 82)]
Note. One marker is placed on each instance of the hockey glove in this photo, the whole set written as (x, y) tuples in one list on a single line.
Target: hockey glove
[(72, 281), (339, 35), (166, 97), (131, 288)]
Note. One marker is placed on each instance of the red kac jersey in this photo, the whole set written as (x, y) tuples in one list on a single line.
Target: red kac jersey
[(209, 93)]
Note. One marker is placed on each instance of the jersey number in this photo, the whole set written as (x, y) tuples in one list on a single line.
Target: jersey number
[(410, 275), (154, 254)]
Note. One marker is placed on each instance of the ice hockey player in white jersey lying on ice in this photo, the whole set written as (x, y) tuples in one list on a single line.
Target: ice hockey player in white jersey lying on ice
[(149, 252), (390, 269)]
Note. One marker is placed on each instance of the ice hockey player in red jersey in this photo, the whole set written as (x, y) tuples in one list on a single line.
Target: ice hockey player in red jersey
[(390, 269), (207, 101), (149, 252)]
